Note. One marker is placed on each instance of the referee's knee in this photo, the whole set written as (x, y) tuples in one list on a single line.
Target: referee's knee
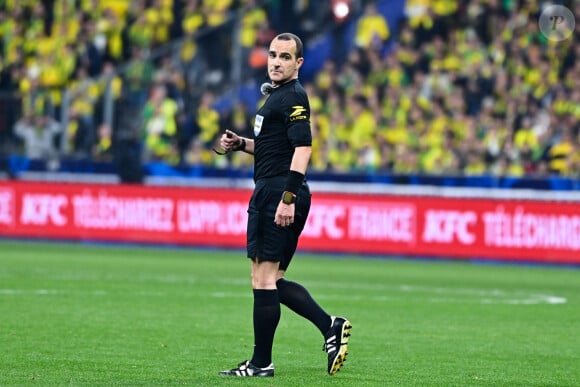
[(259, 282)]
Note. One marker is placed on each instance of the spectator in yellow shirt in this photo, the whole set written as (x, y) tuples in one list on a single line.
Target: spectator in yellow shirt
[(160, 127), (561, 154), (372, 30)]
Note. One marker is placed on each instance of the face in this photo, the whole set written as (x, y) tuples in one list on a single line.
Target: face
[(282, 62)]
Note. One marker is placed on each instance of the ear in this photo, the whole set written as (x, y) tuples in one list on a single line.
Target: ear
[(299, 62)]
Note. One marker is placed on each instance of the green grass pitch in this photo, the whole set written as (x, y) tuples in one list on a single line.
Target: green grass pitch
[(77, 314)]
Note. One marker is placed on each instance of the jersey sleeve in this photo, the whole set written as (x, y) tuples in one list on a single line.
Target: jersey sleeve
[(297, 116)]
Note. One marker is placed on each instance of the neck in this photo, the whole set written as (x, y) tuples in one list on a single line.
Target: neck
[(276, 84)]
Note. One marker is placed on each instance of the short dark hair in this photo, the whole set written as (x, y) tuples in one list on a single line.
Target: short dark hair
[(291, 36)]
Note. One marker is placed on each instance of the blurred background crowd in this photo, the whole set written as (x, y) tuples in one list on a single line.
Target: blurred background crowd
[(442, 87)]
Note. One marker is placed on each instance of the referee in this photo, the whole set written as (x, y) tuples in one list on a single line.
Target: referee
[(278, 210)]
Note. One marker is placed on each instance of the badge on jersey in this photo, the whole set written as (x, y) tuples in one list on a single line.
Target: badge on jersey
[(258, 124)]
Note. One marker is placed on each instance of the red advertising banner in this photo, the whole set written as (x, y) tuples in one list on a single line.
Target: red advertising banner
[(522, 230)]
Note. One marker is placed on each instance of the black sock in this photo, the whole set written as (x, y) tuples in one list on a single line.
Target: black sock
[(266, 318), (297, 298)]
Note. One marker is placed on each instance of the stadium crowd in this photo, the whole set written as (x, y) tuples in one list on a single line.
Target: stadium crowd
[(456, 87)]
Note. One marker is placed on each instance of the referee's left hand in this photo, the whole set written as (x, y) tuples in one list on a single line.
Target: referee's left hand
[(229, 140), (284, 214)]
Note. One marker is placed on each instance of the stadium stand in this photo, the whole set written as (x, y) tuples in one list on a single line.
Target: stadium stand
[(428, 88)]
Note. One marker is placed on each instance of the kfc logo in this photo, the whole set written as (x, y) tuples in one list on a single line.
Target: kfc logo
[(447, 226), (323, 221), (43, 209)]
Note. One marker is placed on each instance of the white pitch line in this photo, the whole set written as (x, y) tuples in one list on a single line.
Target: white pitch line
[(440, 295), (33, 292), (532, 300), (431, 294), (46, 292)]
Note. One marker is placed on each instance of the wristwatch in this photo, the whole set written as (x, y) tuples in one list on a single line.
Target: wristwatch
[(288, 197)]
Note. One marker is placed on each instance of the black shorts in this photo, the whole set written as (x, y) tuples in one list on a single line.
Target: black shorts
[(265, 240)]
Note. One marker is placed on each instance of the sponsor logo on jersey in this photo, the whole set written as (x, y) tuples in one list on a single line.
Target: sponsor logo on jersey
[(298, 113)]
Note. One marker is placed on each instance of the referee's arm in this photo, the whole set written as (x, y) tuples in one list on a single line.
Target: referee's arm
[(300, 159), (249, 146)]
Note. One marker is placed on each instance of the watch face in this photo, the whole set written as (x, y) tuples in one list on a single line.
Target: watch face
[(288, 198)]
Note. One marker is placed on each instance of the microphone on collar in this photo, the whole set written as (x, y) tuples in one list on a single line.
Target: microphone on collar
[(266, 88)]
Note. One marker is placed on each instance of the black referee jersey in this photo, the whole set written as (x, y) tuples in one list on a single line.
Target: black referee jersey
[(281, 124)]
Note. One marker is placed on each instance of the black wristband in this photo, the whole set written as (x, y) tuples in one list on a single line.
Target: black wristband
[(294, 182), (242, 146)]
